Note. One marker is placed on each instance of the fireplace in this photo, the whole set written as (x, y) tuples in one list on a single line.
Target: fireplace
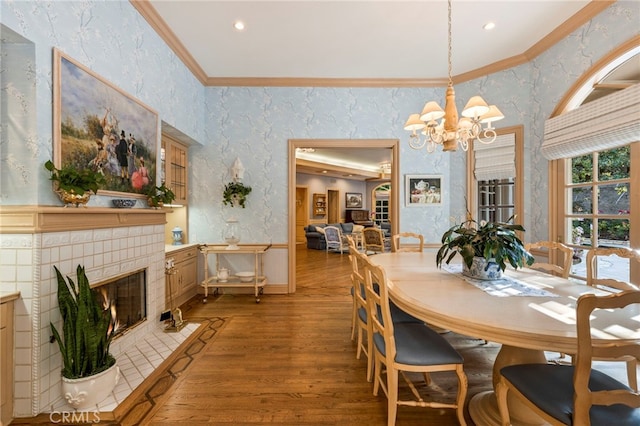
[(130, 296)]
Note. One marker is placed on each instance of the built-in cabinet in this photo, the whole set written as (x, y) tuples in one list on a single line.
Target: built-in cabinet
[(181, 283), (319, 204), (175, 165), (6, 362)]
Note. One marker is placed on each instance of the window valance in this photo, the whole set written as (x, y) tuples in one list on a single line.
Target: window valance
[(605, 123)]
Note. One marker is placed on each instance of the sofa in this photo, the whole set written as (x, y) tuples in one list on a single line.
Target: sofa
[(315, 239)]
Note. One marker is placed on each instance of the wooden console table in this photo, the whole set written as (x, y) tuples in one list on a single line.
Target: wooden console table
[(257, 282)]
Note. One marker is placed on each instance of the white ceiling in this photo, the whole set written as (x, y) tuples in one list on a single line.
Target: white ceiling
[(357, 39)]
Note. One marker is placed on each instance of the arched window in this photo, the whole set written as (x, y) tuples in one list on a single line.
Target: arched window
[(594, 142)]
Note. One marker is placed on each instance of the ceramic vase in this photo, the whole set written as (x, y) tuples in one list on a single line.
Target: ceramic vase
[(85, 393), (482, 269)]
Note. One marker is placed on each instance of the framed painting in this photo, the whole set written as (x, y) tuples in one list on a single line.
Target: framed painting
[(99, 126), (353, 200), (423, 190)]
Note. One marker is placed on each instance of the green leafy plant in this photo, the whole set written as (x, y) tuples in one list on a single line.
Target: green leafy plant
[(491, 240), (88, 327), (75, 181), (235, 192), (160, 195)]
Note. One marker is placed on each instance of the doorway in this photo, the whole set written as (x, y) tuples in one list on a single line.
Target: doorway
[(392, 144), (302, 212), (333, 206)]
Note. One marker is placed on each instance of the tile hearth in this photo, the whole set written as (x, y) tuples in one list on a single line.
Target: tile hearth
[(137, 363)]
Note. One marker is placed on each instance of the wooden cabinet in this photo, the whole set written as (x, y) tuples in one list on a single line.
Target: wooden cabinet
[(175, 168), (182, 284), (319, 204), (6, 363)]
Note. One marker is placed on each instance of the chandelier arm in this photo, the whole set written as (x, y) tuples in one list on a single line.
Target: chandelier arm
[(416, 142), (488, 136)]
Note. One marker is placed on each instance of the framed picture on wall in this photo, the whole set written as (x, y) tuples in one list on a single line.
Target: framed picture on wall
[(97, 125), (423, 190), (353, 200)]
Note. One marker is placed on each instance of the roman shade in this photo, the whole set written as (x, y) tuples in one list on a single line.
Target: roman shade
[(496, 160), (605, 123)]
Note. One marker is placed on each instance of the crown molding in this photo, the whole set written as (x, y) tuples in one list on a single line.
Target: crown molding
[(149, 13)]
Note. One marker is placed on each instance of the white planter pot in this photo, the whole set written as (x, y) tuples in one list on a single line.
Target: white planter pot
[(480, 271), (85, 393)]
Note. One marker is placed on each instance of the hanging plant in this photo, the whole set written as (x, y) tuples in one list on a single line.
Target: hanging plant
[(235, 193)]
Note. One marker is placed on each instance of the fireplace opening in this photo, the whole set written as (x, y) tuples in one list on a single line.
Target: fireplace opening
[(130, 296)]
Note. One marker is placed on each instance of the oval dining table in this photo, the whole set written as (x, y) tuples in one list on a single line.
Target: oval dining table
[(536, 314)]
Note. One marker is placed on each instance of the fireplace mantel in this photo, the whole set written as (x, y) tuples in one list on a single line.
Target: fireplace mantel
[(40, 219)]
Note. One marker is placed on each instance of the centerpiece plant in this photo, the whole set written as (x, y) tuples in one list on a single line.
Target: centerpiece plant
[(496, 242), (89, 325)]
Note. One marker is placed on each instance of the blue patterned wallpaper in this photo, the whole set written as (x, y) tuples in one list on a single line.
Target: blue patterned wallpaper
[(254, 124)]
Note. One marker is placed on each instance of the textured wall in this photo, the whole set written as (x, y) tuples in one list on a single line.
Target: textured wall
[(255, 123)]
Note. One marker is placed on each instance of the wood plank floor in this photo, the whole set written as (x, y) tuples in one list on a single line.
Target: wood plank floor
[(289, 360)]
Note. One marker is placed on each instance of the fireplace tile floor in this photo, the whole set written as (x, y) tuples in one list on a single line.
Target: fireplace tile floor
[(138, 362)]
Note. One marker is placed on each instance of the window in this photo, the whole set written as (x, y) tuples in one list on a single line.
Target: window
[(496, 200), (381, 207), (598, 198)]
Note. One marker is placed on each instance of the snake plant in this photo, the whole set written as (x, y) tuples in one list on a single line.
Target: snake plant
[(88, 327)]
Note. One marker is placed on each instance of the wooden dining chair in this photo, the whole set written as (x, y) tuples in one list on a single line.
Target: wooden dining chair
[(417, 238), (375, 241), (407, 347), (577, 394), (596, 255), (553, 247)]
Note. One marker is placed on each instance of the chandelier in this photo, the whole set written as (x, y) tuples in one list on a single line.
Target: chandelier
[(449, 131)]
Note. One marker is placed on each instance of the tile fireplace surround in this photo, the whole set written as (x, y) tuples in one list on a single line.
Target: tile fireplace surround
[(109, 243)]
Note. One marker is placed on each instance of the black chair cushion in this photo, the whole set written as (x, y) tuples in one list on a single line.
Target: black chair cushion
[(417, 344), (362, 314), (550, 387)]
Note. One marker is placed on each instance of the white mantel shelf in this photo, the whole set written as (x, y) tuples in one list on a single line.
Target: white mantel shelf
[(40, 219)]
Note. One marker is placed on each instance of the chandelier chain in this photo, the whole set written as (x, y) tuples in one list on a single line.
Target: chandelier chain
[(449, 41)]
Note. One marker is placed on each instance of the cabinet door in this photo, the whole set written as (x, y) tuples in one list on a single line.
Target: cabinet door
[(188, 270)]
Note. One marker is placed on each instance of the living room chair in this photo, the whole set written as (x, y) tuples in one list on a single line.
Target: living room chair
[(395, 242), (375, 241), (553, 247), (407, 347), (335, 240), (577, 394)]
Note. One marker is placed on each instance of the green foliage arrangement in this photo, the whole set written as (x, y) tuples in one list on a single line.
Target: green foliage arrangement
[(160, 195), (491, 240), (75, 181), (88, 327), (235, 193)]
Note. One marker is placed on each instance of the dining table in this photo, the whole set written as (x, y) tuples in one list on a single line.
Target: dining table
[(528, 312)]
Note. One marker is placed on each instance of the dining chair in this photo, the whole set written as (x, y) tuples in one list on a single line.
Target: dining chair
[(553, 247), (375, 241), (595, 261), (595, 257), (364, 343), (334, 239), (407, 347), (395, 242), (577, 394)]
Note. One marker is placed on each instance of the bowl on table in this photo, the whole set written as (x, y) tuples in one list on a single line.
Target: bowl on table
[(245, 277)]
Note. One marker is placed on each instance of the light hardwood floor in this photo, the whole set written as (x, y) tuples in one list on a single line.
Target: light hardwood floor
[(289, 360)]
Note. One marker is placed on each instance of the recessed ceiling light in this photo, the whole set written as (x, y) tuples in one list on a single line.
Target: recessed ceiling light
[(238, 25), (489, 26)]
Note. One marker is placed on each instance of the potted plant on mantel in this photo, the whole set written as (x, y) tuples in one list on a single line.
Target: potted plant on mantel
[(89, 372), (74, 186), (158, 196), (485, 247), (235, 193)]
